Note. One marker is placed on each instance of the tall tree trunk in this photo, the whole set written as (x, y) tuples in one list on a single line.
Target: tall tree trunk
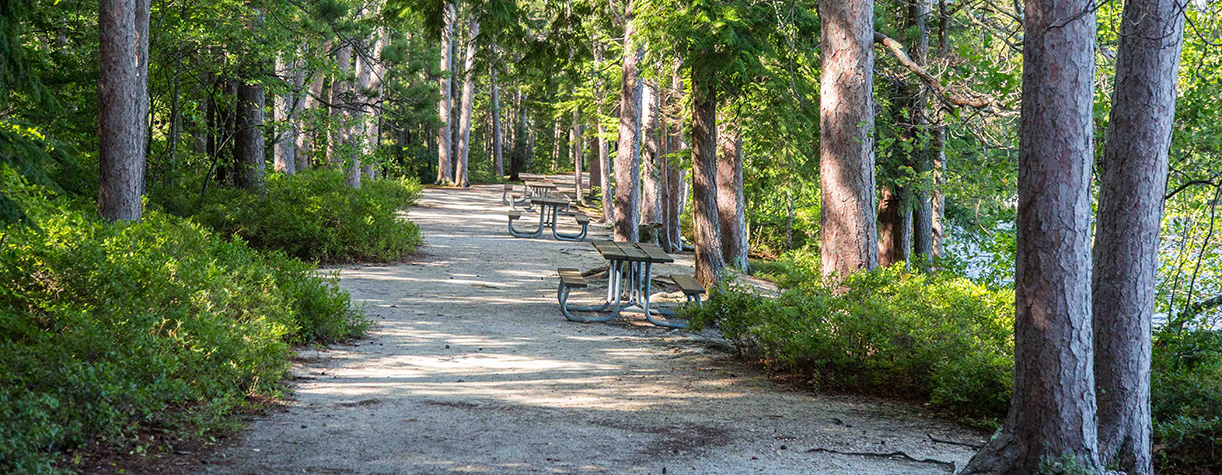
[(575, 151), (846, 162), (628, 149), (468, 97), (731, 209), (340, 109), (651, 174), (604, 160), (596, 177), (285, 149), (675, 176), (1132, 183), (444, 161), (922, 205), (517, 157), (894, 218), (249, 146), (1052, 410), (498, 160), (710, 268), (308, 144), (122, 106)]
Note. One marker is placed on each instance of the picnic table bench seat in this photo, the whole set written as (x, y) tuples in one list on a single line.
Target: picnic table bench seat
[(690, 286)]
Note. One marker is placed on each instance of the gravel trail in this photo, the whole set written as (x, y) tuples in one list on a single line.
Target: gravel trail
[(471, 368)]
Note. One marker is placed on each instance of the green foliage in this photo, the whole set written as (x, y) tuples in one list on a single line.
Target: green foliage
[(1186, 400), (111, 329), (939, 338), (314, 216)]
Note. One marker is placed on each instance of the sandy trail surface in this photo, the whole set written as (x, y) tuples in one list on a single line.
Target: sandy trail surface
[(472, 368)]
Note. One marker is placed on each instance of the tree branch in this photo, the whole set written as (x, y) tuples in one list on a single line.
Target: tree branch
[(947, 97)]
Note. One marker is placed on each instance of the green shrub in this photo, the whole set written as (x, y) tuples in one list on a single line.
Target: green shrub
[(314, 216), (940, 338), (1186, 401), (949, 342), (109, 329)]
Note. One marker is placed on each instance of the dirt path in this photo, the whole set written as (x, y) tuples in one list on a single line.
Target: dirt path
[(473, 369)]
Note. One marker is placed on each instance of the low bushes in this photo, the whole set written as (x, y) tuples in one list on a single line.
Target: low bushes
[(314, 216), (948, 342), (109, 330), (943, 339)]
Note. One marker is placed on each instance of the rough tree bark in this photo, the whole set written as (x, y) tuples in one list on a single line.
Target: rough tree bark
[(1052, 409), (444, 162), (575, 150), (285, 149), (122, 106), (340, 112), (596, 177), (651, 173), (894, 224), (731, 209), (710, 268), (498, 160), (1133, 181), (628, 148), (675, 176), (846, 161), (604, 160), (468, 97), (249, 146), (922, 205)]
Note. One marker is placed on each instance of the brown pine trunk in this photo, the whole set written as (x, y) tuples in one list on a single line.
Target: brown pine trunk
[(731, 209), (249, 145), (846, 163), (122, 106), (1052, 409), (285, 150), (596, 177), (575, 151), (710, 268), (340, 112), (1133, 180), (444, 162), (604, 160), (627, 153), (468, 97), (651, 171), (498, 160), (894, 218), (921, 251), (675, 176)]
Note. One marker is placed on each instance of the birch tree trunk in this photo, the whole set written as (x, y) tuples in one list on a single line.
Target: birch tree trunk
[(468, 97), (1133, 181), (846, 161), (731, 209), (1052, 410), (710, 266), (122, 107), (628, 148), (444, 162)]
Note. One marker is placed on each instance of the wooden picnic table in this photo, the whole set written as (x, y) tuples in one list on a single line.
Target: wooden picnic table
[(549, 209), (540, 188), (631, 261)]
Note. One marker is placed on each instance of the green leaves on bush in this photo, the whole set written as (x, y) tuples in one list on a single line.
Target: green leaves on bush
[(944, 339), (313, 216), (109, 328)]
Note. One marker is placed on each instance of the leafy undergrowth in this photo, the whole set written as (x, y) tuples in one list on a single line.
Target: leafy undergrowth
[(313, 215), (109, 332), (948, 342)]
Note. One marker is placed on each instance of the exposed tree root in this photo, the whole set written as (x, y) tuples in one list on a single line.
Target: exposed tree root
[(897, 454)]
